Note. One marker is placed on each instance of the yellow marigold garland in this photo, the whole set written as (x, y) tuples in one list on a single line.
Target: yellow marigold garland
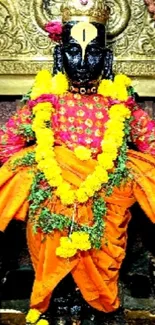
[(59, 84), (33, 316), (70, 245), (42, 84), (111, 143), (46, 84), (116, 89), (82, 153)]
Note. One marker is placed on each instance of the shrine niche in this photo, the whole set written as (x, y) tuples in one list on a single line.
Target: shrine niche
[(25, 48)]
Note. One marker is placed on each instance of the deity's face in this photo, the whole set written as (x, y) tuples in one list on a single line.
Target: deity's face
[(84, 66)]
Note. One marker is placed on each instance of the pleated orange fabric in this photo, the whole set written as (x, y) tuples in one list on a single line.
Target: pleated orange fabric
[(15, 184), (143, 170), (96, 272)]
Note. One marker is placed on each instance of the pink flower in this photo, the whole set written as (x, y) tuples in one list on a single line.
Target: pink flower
[(84, 2), (54, 28), (150, 125), (151, 6), (113, 101), (11, 123), (130, 102)]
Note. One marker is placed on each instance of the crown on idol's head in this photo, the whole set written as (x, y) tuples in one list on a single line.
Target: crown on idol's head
[(85, 11)]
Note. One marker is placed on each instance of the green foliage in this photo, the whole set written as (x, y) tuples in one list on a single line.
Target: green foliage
[(131, 91), (27, 160), (96, 232), (26, 130), (40, 191), (48, 221), (26, 97)]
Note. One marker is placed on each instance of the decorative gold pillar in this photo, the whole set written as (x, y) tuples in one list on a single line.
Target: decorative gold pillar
[(25, 48)]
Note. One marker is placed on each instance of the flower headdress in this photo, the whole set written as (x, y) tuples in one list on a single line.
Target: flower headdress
[(54, 29)]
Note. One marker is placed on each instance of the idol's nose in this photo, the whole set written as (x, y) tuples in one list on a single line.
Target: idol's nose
[(83, 63)]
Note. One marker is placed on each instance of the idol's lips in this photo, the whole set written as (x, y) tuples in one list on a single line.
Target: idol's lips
[(81, 71), (81, 77)]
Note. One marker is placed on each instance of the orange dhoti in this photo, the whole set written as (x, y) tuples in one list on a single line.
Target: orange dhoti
[(95, 272)]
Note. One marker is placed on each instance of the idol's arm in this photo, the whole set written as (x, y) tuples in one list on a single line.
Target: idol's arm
[(16, 133), (143, 131)]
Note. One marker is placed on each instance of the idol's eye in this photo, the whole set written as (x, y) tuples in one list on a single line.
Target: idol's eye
[(72, 49), (94, 50)]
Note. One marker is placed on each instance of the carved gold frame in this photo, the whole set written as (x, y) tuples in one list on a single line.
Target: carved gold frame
[(25, 48)]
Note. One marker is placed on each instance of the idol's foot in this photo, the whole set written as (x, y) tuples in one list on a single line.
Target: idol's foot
[(34, 318)]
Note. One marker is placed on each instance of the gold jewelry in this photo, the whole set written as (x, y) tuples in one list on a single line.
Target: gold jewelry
[(90, 11)]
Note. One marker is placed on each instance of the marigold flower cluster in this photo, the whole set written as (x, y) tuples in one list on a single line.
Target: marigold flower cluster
[(82, 153), (113, 137), (32, 316), (45, 156), (44, 153), (59, 84), (42, 322), (78, 240), (46, 84), (116, 89), (42, 84)]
